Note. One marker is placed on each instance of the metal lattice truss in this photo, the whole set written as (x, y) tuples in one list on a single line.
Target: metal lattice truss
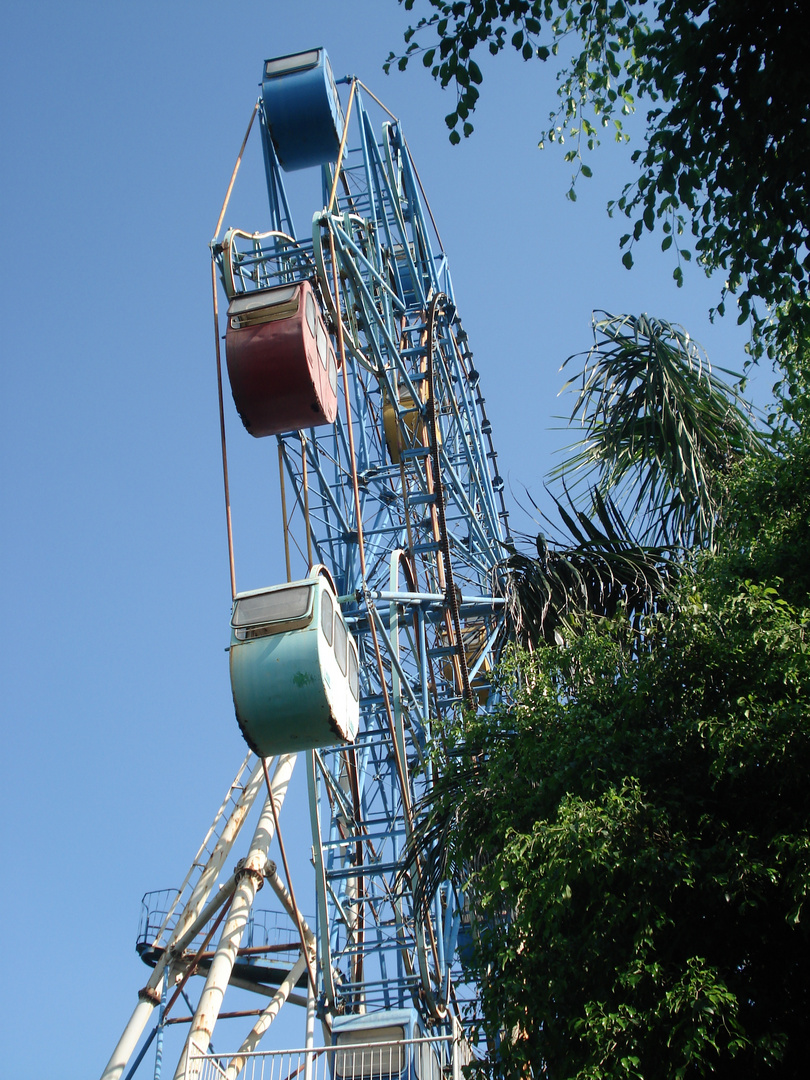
[(401, 500)]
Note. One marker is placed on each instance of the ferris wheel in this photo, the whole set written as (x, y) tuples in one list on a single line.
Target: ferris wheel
[(347, 361)]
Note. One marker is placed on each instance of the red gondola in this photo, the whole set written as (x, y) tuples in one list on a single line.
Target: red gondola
[(281, 362)]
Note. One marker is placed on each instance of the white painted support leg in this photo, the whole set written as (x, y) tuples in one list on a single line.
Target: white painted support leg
[(132, 1032), (251, 876), (237, 1063), (186, 927), (310, 1031)]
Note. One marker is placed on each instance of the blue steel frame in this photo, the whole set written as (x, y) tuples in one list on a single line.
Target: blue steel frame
[(412, 450)]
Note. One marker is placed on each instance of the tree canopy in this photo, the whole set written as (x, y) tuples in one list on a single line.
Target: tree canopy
[(661, 427), (635, 824), (726, 85), (632, 823)]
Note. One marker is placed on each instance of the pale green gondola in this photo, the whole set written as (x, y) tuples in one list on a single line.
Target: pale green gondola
[(294, 667)]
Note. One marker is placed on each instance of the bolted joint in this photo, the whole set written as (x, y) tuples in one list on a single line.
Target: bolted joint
[(150, 994), (243, 870)]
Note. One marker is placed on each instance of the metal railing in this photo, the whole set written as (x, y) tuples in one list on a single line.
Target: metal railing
[(437, 1058), (267, 928)]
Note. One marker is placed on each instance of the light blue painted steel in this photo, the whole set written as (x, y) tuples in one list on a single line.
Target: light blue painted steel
[(424, 585), (164, 993), (368, 1028)]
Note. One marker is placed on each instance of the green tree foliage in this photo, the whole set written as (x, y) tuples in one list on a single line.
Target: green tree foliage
[(727, 146), (632, 825), (639, 826)]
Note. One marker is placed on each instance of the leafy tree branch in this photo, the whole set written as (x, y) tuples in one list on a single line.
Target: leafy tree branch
[(723, 171)]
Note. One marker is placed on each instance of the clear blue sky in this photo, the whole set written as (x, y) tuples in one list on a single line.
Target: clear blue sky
[(120, 125)]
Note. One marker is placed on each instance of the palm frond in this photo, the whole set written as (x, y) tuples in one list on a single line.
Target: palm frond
[(601, 568), (661, 430), (430, 858)]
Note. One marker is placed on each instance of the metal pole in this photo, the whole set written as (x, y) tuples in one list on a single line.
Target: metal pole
[(277, 885), (159, 1046), (148, 996), (237, 1063), (284, 510), (147, 1000), (309, 1041), (223, 445), (305, 485), (235, 171), (250, 877)]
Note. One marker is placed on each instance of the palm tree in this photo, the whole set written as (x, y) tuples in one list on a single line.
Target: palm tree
[(661, 431), (660, 434), (596, 570)]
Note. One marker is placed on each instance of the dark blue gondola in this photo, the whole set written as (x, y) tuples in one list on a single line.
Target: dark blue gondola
[(303, 111)]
